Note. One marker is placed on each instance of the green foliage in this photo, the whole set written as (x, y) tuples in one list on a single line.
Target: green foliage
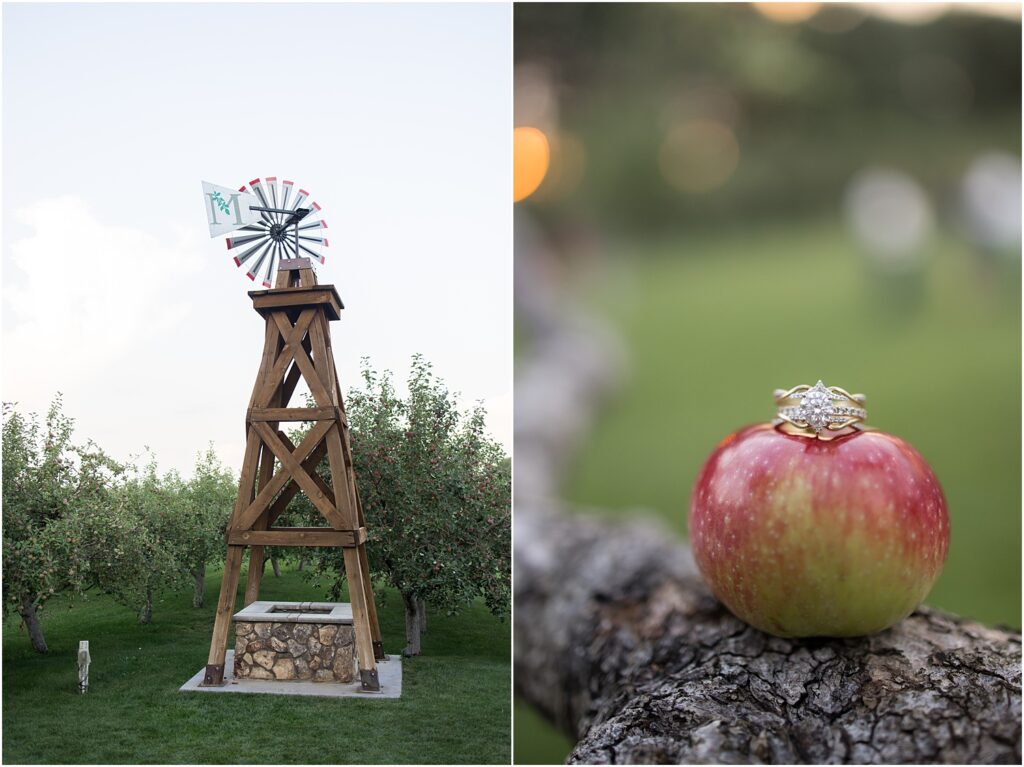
[(132, 546), (75, 520), (436, 491), (49, 484), (209, 497)]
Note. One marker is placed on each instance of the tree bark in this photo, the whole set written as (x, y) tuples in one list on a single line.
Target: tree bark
[(302, 563), (276, 566), (27, 610), (146, 613), (620, 644), (421, 610), (412, 625), (199, 585)]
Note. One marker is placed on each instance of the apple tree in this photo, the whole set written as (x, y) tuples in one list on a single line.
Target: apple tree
[(436, 491), (209, 497), (49, 484)]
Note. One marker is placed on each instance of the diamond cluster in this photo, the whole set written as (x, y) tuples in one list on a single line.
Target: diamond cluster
[(817, 408)]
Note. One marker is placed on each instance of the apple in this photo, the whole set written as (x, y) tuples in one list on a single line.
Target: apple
[(801, 536)]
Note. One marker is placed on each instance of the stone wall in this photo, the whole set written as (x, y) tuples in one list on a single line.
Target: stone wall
[(310, 651)]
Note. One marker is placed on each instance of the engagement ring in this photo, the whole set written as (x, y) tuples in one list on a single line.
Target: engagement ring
[(819, 407)]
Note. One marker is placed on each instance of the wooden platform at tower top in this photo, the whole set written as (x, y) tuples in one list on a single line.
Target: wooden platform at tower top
[(297, 345)]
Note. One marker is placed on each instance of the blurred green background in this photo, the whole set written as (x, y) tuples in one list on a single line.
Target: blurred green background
[(758, 197)]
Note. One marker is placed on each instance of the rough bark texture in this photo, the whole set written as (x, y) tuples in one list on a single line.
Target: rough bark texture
[(146, 613), (621, 645), (27, 611), (412, 625), (199, 585), (276, 566)]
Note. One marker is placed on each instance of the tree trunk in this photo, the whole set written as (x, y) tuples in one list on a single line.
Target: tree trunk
[(276, 566), (302, 563), (27, 610), (199, 585), (146, 614), (412, 625), (421, 609), (620, 644)]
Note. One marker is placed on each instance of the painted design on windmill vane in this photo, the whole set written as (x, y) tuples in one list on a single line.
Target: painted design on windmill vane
[(273, 223)]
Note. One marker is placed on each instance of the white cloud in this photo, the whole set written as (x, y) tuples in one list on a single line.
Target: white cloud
[(82, 294)]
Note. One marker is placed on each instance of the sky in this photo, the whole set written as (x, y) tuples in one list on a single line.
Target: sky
[(395, 117)]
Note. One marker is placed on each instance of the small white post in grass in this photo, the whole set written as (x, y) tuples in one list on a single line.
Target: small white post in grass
[(83, 666)]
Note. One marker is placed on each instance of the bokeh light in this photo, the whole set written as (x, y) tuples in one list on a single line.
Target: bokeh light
[(909, 13), (890, 216), (531, 155), (991, 199), (787, 13), (698, 155)]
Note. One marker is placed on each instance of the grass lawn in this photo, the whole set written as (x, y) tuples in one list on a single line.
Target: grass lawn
[(455, 704), (713, 323)]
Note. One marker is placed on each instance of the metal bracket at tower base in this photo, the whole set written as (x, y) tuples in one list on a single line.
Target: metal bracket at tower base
[(369, 680), (214, 676), (378, 650)]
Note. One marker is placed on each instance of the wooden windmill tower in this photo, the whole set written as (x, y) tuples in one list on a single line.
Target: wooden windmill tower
[(297, 345)]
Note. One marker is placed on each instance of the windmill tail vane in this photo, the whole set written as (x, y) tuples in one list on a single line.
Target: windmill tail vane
[(268, 222)]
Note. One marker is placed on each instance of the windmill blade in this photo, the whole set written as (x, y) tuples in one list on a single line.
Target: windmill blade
[(259, 226), (251, 274), (271, 182), (234, 242), (286, 193), (321, 224), (270, 266), (313, 253), (241, 259), (257, 188), (321, 240), (300, 197)]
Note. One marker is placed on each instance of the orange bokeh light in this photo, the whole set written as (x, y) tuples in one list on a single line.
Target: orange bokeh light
[(787, 13), (531, 156)]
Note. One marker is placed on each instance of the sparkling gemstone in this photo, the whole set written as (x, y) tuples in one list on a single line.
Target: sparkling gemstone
[(816, 409)]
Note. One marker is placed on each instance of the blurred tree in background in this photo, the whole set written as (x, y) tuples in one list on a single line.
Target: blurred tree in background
[(663, 116)]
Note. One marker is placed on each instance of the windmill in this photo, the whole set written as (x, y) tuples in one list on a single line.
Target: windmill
[(276, 236), (275, 224)]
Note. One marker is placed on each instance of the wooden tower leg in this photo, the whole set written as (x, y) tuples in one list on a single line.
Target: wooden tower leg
[(361, 623), (357, 587), (214, 676), (257, 554), (364, 566)]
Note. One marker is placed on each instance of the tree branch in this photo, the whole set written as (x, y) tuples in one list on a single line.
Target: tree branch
[(621, 645)]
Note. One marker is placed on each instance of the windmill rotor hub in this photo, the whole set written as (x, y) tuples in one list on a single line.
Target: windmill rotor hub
[(278, 232)]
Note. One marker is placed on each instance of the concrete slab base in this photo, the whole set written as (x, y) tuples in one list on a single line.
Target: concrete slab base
[(389, 672)]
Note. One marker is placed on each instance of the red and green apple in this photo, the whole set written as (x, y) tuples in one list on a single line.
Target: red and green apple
[(810, 537)]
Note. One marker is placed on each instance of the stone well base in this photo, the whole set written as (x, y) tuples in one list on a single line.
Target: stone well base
[(390, 671), (293, 641)]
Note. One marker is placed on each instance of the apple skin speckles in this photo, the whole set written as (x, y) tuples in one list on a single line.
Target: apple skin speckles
[(807, 537)]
